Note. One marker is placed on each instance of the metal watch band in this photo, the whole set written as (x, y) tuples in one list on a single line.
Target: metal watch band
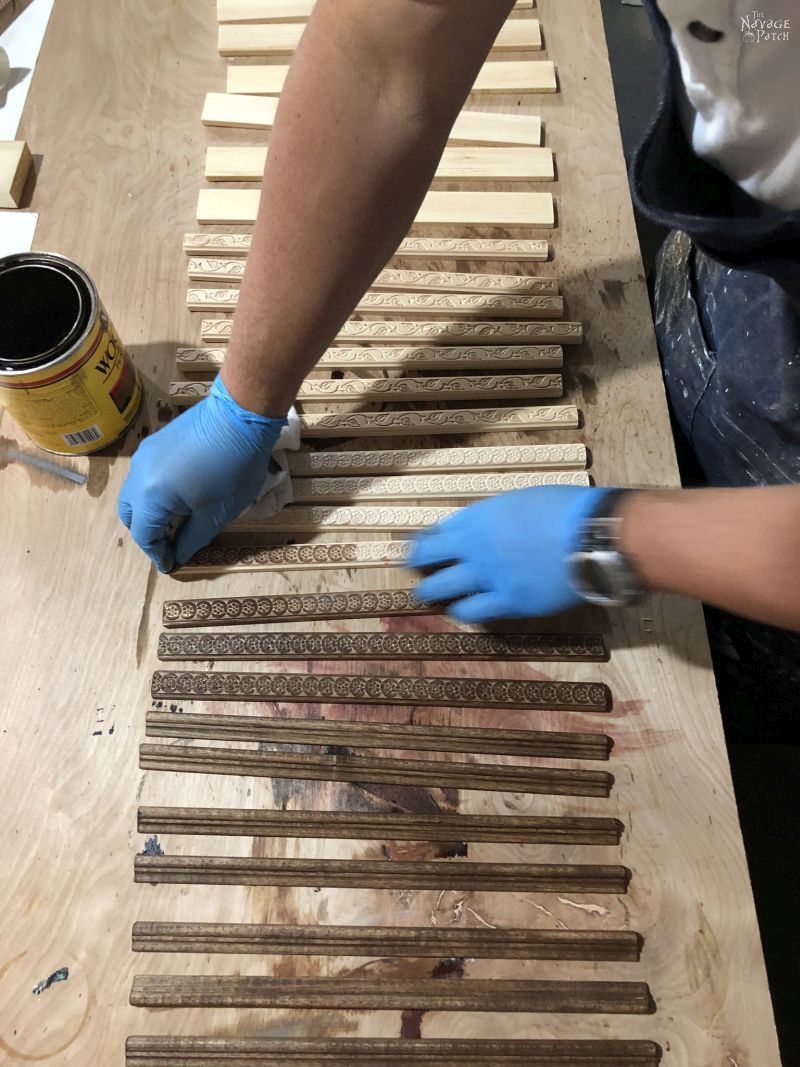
[(600, 572)]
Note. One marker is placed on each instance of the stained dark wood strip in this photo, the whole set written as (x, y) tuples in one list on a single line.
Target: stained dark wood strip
[(498, 995), (383, 874), (623, 945), (380, 689), (381, 826), (353, 734), (441, 773), (307, 645), (378, 1052), (298, 607)]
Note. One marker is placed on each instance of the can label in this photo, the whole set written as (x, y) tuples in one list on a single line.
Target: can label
[(82, 403)]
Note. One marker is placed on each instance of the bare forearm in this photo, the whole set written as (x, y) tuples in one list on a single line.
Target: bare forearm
[(369, 101), (737, 549)]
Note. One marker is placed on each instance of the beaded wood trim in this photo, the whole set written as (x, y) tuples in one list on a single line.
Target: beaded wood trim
[(423, 460), (297, 607), (426, 486), (217, 558)]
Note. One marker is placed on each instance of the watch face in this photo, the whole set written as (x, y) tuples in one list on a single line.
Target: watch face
[(598, 577)]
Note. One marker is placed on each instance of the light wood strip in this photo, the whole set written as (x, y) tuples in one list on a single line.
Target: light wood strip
[(380, 1052), (424, 487), (382, 941), (394, 331), (298, 607), (438, 460), (355, 734), (318, 556), (380, 826), (415, 248), (232, 163), (378, 689), (240, 207), (286, 10), (467, 357), (422, 423), (281, 39), (383, 874)]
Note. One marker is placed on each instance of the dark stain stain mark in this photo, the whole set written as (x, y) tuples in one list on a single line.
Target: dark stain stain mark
[(97, 733), (413, 799), (452, 968), (141, 632), (119, 542), (411, 1025), (587, 384), (613, 293), (99, 470), (166, 412)]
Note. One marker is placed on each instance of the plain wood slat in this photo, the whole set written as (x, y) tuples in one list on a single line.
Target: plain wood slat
[(383, 1052), (297, 607), (240, 207), (414, 248), (317, 556), (381, 941), (427, 487), (285, 10), (231, 163), (380, 826), (380, 689), (355, 734), (438, 460), (218, 331), (422, 423), (16, 162), (383, 874)]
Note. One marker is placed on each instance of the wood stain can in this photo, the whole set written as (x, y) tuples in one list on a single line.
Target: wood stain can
[(65, 376)]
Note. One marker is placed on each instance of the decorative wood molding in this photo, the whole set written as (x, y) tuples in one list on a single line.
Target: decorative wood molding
[(385, 1052), (218, 331), (296, 519), (425, 487), (381, 826), (422, 423), (384, 874), (192, 759), (460, 208), (435, 460), (355, 734), (218, 559), (380, 941), (436, 248), (377, 689), (297, 607), (245, 163)]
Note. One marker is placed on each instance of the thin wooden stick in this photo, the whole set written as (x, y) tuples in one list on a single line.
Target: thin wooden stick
[(474, 943), (460, 487), (422, 423), (380, 689), (550, 781), (372, 645), (354, 734), (467, 331), (285, 10), (381, 826), (383, 874), (298, 607), (438, 460), (317, 556), (415, 248), (380, 1052)]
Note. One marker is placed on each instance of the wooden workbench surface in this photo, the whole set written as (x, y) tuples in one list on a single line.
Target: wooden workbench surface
[(115, 113)]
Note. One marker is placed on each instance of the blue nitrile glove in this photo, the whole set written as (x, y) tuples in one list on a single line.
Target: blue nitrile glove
[(505, 557), (204, 467)]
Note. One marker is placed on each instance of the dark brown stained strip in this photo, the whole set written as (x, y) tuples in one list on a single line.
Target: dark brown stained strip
[(299, 607)]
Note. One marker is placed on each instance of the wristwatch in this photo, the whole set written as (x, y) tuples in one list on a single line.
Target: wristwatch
[(599, 572)]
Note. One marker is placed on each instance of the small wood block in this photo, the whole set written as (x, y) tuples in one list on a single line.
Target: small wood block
[(298, 607), (381, 826), (385, 1052), (383, 874), (281, 39), (422, 423), (452, 487), (15, 166), (442, 460), (381, 941), (377, 689), (222, 559), (355, 734), (242, 163), (415, 248), (285, 10), (467, 357), (240, 207), (432, 333)]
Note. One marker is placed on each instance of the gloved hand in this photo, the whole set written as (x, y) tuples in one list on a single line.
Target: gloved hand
[(206, 467), (505, 557)]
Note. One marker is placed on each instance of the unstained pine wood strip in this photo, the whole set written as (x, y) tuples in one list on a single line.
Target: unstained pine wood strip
[(284, 10), (381, 826), (327, 555), (383, 874), (296, 607), (354, 734), (474, 943), (438, 460), (381, 689), (246, 163), (385, 1052), (499, 76), (423, 423), (280, 39), (458, 358), (464, 331), (460, 487), (459, 208), (416, 248)]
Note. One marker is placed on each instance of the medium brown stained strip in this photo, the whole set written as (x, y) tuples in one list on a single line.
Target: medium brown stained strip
[(378, 689), (381, 826), (623, 946), (440, 773), (298, 607), (497, 995), (353, 734), (305, 645), (223, 558), (379, 1052)]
